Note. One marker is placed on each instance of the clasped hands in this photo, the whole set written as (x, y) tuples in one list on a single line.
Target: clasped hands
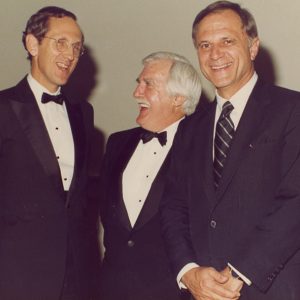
[(206, 283)]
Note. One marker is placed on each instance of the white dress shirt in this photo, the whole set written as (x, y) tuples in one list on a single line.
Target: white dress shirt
[(239, 101), (56, 120), (141, 171)]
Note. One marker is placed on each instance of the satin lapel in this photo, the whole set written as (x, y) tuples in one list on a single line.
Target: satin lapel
[(247, 130), (126, 150), (30, 118), (79, 139)]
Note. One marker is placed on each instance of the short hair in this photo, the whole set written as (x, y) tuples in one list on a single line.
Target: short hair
[(246, 17), (38, 23), (183, 79)]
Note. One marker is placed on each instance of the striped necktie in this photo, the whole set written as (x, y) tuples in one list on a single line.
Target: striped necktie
[(223, 137)]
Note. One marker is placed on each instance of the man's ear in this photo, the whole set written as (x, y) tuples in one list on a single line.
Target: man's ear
[(254, 47), (32, 45), (178, 101)]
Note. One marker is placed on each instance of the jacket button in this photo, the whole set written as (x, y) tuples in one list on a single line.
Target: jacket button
[(271, 277), (130, 243), (213, 224), (281, 266)]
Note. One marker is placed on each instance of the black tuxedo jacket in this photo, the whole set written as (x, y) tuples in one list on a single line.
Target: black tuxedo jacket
[(253, 219), (36, 221), (135, 265)]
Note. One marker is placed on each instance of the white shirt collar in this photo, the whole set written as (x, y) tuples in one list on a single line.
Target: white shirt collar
[(171, 130), (240, 98), (38, 89)]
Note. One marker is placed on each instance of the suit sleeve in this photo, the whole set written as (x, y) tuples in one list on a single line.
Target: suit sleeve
[(276, 240)]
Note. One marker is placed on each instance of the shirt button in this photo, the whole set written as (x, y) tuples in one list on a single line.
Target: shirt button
[(213, 224), (130, 243)]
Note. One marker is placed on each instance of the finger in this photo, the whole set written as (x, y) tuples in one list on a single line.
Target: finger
[(224, 292), (214, 296)]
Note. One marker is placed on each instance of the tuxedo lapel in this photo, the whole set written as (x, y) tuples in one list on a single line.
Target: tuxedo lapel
[(247, 130), (79, 139), (26, 109), (126, 149)]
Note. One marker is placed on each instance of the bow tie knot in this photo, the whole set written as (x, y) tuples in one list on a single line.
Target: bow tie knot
[(59, 99), (147, 136)]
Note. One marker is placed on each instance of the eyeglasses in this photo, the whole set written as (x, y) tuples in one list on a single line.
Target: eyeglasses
[(63, 45)]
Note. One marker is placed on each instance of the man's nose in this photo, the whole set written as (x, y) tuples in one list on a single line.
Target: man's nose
[(139, 91), (215, 52), (69, 53)]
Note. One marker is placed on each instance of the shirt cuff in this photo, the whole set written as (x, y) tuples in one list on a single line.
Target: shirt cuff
[(241, 276), (184, 270)]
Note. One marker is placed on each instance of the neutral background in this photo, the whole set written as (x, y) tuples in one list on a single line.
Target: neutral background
[(119, 33)]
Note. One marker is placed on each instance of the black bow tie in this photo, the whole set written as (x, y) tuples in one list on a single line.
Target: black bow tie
[(59, 99), (147, 136)]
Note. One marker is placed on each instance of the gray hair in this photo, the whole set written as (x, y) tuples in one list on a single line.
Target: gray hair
[(183, 79)]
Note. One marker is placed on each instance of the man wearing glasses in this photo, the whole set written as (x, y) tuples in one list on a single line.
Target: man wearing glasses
[(47, 246)]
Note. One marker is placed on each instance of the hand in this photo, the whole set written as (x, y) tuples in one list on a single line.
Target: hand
[(234, 284), (206, 283)]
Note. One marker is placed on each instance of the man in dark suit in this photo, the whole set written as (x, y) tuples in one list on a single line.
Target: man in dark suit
[(135, 264), (47, 244), (232, 200)]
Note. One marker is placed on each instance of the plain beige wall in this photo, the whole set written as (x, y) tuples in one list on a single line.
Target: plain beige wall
[(119, 33)]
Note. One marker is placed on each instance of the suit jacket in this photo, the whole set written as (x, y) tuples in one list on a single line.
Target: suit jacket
[(36, 221), (252, 219), (135, 265)]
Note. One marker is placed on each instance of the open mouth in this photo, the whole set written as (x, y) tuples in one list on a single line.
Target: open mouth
[(62, 66), (143, 105)]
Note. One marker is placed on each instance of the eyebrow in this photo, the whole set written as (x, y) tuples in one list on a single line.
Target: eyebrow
[(149, 80)]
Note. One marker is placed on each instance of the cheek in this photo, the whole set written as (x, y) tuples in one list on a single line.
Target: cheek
[(152, 97), (203, 60), (74, 64)]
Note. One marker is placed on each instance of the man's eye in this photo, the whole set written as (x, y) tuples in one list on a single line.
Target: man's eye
[(77, 47), (204, 45), (228, 42), (62, 43)]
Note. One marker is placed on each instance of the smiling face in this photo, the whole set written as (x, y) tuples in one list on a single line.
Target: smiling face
[(225, 51), (50, 67), (158, 109)]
